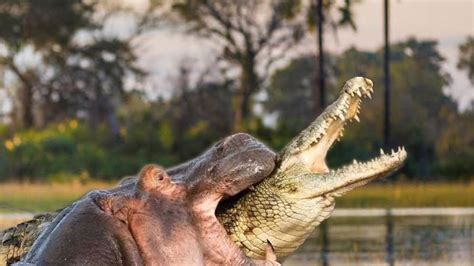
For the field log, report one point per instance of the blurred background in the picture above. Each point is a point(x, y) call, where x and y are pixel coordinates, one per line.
point(92, 90)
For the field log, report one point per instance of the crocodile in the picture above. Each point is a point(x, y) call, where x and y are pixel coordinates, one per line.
point(288, 204)
point(300, 193)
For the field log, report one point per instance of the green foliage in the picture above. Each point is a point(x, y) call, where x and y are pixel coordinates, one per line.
point(344, 16)
point(423, 117)
point(291, 93)
point(86, 68)
point(439, 140)
point(61, 152)
point(455, 147)
point(466, 57)
point(248, 40)
point(417, 100)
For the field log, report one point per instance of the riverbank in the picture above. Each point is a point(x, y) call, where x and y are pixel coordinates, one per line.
point(34, 198)
point(409, 195)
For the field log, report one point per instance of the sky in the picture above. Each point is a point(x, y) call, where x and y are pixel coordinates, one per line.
point(447, 21)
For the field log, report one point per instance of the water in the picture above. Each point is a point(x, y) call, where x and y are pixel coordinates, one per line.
point(407, 237)
point(371, 237)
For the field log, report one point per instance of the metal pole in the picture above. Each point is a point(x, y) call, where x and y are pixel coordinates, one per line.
point(321, 75)
point(386, 68)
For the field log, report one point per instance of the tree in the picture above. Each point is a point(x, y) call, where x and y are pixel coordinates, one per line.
point(455, 147)
point(37, 26)
point(80, 69)
point(253, 34)
point(419, 104)
point(290, 93)
point(89, 83)
point(466, 57)
point(196, 115)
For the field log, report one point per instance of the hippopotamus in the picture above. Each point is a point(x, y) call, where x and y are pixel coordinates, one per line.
point(156, 219)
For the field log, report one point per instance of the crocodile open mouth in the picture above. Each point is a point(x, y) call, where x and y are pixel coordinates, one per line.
point(313, 143)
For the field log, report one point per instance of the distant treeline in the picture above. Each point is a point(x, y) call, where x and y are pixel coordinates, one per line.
point(79, 108)
point(438, 138)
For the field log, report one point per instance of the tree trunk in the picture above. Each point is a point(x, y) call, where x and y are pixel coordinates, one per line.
point(113, 123)
point(25, 95)
point(248, 85)
point(242, 110)
point(105, 112)
point(26, 101)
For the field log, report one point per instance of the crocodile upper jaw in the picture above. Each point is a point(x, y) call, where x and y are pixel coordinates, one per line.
point(310, 147)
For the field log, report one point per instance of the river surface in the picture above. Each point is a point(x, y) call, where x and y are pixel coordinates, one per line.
point(400, 237)
point(379, 237)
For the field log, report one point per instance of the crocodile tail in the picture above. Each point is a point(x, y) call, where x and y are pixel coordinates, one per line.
point(17, 240)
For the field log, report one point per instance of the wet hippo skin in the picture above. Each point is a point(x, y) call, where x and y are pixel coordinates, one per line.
point(157, 219)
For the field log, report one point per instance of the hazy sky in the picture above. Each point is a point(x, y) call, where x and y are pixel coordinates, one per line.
point(448, 21)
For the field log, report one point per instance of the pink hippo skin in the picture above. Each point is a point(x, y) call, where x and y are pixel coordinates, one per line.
point(156, 219)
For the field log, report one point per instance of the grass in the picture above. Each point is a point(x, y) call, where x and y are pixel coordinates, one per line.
point(16, 197)
point(411, 195)
point(29, 197)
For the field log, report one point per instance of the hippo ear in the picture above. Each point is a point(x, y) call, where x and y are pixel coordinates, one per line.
point(151, 177)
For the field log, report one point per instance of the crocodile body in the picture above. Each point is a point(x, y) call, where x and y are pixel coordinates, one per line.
point(299, 194)
point(286, 206)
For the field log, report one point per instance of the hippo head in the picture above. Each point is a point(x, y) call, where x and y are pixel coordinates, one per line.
point(159, 216)
point(230, 166)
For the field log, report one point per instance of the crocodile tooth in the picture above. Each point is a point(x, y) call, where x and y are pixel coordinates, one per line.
point(341, 116)
point(393, 151)
point(358, 93)
point(356, 117)
point(381, 152)
point(369, 95)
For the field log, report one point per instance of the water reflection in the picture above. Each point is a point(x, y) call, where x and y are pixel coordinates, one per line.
point(406, 240)
point(414, 237)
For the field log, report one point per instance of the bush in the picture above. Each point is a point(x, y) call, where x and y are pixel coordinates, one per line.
point(62, 152)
